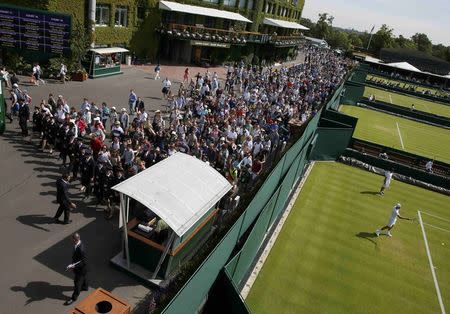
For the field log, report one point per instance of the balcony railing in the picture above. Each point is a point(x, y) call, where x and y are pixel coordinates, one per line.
point(199, 32)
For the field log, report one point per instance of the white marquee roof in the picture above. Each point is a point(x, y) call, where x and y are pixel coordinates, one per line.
point(180, 189)
point(283, 24)
point(105, 51)
point(192, 9)
point(403, 66)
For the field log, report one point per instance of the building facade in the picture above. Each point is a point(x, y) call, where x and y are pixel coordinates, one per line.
point(181, 32)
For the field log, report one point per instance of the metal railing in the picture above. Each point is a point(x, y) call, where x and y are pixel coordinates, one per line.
point(199, 32)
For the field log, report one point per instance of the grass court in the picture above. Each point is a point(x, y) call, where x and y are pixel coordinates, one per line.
point(327, 259)
point(420, 104)
point(419, 88)
point(403, 134)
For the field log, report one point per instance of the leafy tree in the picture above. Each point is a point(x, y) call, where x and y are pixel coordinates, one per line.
point(339, 39)
point(383, 38)
point(403, 42)
point(422, 42)
point(79, 43)
point(324, 25)
point(355, 39)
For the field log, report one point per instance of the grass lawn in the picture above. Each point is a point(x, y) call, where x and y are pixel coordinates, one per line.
point(392, 131)
point(328, 260)
point(406, 101)
point(419, 87)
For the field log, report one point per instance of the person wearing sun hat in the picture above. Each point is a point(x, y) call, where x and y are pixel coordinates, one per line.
point(124, 119)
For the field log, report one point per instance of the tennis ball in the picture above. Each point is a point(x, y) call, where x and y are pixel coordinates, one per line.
point(443, 243)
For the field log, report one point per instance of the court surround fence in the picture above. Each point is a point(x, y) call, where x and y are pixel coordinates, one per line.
point(251, 227)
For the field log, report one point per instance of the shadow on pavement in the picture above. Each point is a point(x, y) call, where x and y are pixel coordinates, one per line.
point(36, 221)
point(41, 290)
point(103, 241)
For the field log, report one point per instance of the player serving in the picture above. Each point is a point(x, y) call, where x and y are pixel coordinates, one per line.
point(392, 220)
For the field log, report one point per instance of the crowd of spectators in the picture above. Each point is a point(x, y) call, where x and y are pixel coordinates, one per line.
point(236, 125)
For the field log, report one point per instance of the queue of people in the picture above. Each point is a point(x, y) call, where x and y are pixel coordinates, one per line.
point(236, 128)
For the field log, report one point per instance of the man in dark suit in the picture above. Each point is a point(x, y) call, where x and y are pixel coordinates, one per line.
point(24, 116)
point(79, 268)
point(62, 197)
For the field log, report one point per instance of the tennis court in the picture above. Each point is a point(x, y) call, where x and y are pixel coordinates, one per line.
point(403, 134)
point(418, 87)
point(327, 258)
point(420, 104)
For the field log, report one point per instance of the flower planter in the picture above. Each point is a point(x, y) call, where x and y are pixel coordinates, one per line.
point(101, 301)
point(79, 77)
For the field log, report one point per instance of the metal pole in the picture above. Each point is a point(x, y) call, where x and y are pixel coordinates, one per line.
point(123, 209)
point(370, 39)
point(92, 7)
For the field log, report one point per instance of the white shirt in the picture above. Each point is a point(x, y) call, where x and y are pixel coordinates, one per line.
point(388, 176)
point(394, 215)
point(167, 83)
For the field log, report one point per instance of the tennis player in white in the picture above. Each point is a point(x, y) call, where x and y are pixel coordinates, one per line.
point(387, 181)
point(392, 220)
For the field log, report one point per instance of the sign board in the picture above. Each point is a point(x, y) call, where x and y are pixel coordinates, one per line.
point(209, 44)
point(21, 28)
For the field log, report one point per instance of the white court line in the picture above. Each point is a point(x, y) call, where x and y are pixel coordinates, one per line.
point(436, 284)
point(435, 216)
point(435, 227)
point(401, 140)
point(390, 98)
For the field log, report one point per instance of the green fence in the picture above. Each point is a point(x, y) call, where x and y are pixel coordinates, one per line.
point(263, 210)
point(266, 205)
point(353, 93)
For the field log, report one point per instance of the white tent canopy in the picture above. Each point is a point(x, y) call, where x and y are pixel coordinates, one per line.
point(192, 9)
point(283, 24)
point(403, 66)
point(105, 51)
point(180, 189)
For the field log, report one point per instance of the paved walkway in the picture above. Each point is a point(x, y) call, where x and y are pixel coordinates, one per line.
point(37, 251)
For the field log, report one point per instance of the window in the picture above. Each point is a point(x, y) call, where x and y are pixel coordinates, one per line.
point(250, 4)
point(121, 16)
point(211, 1)
point(102, 14)
point(230, 3)
point(209, 22)
point(241, 4)
point(141, 11)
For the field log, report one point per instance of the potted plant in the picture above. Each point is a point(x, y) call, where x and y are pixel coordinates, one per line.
point(79, 75)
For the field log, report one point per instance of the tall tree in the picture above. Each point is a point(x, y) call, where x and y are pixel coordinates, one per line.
point(338, 39)
point(422, 42)
point(324, 25)
point(403, 42)
point(382, 39)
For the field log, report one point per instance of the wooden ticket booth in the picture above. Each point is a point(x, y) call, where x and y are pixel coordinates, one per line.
point(166, 213)
point(103, 62)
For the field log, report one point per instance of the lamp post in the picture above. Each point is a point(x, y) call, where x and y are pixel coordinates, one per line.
point(370, 39)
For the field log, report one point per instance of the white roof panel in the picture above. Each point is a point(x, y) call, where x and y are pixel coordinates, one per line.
point(192, 9)
point(105, 51)
point(283, 24)
point(180, 189)
point(403, 66)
